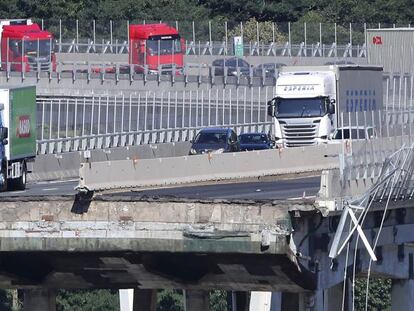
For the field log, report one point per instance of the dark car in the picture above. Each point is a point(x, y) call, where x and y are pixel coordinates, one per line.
point(235, 67)
point(267, 70)
point(255, 141)
point(215, 140)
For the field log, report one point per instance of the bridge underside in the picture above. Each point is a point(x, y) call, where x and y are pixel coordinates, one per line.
point(241, 272)
point(114, 241)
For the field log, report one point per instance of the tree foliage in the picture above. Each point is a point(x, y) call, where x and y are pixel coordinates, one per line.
point(379, 294)
point(87, 300)
point(254, 31)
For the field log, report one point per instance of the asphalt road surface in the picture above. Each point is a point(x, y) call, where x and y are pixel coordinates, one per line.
point(293, 188)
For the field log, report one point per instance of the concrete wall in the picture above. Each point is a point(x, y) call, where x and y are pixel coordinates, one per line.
point(66, 165)
point(176, 170)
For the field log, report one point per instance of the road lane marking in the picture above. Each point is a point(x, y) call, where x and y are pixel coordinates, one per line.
point(301, 198)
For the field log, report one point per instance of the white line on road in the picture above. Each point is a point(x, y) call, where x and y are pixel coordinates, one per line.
point(301, 198)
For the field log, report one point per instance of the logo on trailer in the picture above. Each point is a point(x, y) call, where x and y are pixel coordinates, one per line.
point(23, 130)
point(377, 40)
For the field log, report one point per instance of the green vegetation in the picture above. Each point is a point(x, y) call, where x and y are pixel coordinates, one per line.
point(379, 294)
point(108, 300)
point(233, 11)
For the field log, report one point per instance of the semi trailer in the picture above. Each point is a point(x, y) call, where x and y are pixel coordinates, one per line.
point(312, 101)
point(17, 135)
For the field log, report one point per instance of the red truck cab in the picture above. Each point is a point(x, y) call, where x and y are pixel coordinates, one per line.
point(26, 47)
point(158, 46)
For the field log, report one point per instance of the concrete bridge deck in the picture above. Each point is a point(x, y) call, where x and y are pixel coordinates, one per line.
point(117, 241)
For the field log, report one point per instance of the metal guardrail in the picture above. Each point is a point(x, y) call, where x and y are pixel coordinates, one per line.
point(223, 48)
point(111, 140)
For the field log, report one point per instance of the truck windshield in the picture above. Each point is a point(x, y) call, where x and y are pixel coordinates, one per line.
point(36, 48)
point(157, 45)
point(300, 108)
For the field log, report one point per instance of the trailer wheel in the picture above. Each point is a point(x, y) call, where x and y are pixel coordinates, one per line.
point(20, 183)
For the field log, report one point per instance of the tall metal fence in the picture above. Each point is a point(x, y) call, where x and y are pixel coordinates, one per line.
point(214, 38)
point(87, 122)
point(79, 123)
point(385, 131)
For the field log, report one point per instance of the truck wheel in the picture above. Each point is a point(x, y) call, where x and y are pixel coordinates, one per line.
point(3, 186)
point(21, 181)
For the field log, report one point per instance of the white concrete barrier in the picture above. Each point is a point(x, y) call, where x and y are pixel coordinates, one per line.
point(185, 169)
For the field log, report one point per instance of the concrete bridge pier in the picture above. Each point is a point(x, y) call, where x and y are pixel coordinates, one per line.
point(39, 300)
point(196, 300)
point(402, 294)
point(240, 301)
point(145, 300)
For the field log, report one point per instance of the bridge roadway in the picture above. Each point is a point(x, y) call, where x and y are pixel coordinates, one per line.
point(289, 188)
point(268, 240)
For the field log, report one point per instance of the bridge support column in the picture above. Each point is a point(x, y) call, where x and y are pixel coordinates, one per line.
point(333, 298)
point(145, 300)
point(196, 300)
point(402, 294)
point(39, 300)
point(266, 301)
point(240, 301)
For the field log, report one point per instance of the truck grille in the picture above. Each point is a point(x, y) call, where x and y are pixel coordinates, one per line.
point(43, 66)
point(297, 135)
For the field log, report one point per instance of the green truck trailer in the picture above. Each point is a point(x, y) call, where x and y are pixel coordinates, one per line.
point(17, 135)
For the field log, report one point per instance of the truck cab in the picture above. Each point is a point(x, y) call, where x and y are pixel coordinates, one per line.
point(26, 47)
point(310, 101)
point(304, 108)
point(157, 46)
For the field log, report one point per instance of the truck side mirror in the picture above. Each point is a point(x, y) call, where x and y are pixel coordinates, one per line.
point(331, 108)
point(4, 133)
point(271, 110)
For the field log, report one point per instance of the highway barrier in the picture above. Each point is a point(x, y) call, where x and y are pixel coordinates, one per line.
point(137, 172)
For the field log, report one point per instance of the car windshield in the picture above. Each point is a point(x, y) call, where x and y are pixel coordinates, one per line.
point(163, 46)
point(211, 138)
point(235, 62)
point(347, 133)
point(31, 47)
point(300, 108)
point(253, 139)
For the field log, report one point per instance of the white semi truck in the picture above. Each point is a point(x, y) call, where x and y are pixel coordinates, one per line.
point(17, 135)
point(311, 102)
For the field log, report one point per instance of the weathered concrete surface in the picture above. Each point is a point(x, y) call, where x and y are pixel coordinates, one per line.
point(125, 242)
point(39, 300)
point(187, 169)
point(66, 165)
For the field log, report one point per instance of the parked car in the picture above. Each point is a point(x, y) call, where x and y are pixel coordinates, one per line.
point(269, 69)
point(235, 67)
point(353, 132)
point(215, 140)
point(255, 141)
